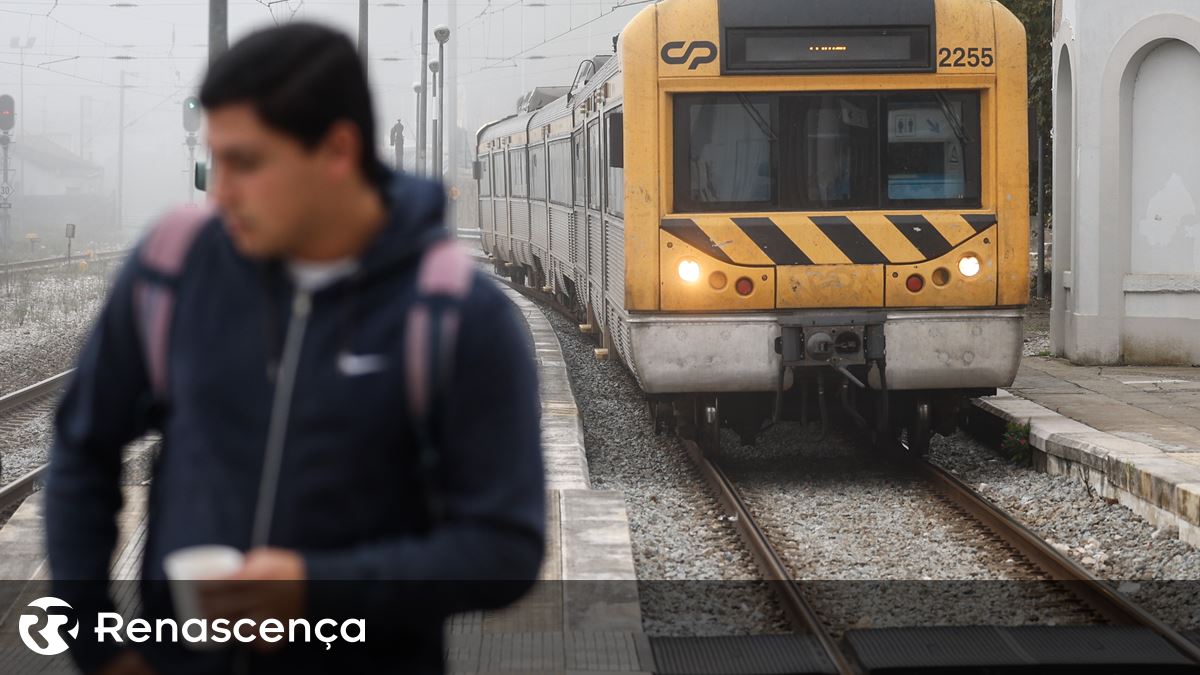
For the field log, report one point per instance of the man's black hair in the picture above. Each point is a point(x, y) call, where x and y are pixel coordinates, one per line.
point(301, 78)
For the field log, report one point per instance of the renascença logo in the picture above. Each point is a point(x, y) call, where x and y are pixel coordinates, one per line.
point(42, 631)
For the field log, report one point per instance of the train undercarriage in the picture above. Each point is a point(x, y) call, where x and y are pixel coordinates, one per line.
point(897, 376)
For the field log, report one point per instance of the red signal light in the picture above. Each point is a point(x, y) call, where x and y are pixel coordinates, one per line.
point(915, 283)
point(744, 286)
point(7, 116)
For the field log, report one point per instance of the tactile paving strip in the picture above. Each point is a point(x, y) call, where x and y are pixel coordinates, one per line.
point(1113, 649)
point(578, 651)
point(738, 655)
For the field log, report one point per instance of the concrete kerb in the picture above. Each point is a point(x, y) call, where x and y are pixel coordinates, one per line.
point(593, 526)
point(1157, 486)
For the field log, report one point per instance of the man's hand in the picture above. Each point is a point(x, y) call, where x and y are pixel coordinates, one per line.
point(127, 662)
point(270, 585)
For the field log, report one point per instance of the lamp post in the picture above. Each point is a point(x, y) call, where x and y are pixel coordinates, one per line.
point(422, 110)
point(435, 67)
point(418, 165)
point(442, 34)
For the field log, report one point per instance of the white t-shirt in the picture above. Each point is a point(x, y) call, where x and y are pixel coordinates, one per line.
point(313, 276)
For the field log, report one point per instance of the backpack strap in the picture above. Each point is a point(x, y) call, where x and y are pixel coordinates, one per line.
point(161, 258)
point(431, 335)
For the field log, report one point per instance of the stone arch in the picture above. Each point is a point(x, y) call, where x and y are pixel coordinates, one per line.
point(1065, 176)
point(1115, 229)
point(1164, 165)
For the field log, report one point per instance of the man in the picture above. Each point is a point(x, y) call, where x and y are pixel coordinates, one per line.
point(287, 357)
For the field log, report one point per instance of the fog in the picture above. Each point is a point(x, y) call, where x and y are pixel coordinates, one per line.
point(64, 62)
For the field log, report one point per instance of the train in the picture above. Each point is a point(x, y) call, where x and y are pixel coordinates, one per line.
point(768, 209)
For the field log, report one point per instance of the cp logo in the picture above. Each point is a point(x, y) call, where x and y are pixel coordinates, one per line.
point(704, 51)
point(42, 631)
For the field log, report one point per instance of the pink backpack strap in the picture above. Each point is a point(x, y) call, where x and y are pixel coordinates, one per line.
point(162, 256)
point(431, 335)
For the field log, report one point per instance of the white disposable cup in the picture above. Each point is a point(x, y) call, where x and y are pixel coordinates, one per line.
point(189, 565)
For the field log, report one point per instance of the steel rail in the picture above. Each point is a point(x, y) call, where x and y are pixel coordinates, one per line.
point(34, 392)
point(803, 617)
point(45, 263)
point(15, 492)
point(1096, 593)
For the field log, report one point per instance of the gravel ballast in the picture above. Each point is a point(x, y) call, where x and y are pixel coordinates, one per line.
point(817, 496)
point(697, 578)
point(44, 319)
point(1151, 565)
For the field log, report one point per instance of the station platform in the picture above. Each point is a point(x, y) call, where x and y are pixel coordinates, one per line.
point(1132, 433)
point(583, 616)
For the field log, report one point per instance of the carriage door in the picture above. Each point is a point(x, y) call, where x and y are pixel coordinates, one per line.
point(595, 221)
point(579, 237)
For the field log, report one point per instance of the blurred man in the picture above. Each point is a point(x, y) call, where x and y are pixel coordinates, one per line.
point(301, 422)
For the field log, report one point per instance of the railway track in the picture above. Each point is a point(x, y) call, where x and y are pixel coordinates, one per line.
point(51, 263)
point(15, 409)
point(1098, 596)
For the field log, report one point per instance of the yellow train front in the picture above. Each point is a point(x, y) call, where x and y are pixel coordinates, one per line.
point(763, 206)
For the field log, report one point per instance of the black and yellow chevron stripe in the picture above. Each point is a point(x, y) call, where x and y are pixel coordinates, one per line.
point(855, 239)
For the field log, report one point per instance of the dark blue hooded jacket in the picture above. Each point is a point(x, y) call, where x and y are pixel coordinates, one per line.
point(350, 497)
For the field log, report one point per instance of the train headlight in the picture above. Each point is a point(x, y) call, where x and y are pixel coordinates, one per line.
point(689, 271)
point(969, 266)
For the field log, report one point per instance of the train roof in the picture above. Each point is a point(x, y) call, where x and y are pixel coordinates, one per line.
point(545, 112)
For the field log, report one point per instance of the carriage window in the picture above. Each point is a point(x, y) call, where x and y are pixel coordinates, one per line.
point(516, 168)
point(726, 153)
point(933, 149)
point(593, 172)
point(615, 185)
point(500, 179)
point(826, 151)
point(829, 157)
point(580, 170)
point(560, 172)
point(485, 176)
point(537, 172)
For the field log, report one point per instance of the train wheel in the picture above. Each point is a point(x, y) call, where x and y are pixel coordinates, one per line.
point(708, 425)
point(920, 429)
point(663, 415)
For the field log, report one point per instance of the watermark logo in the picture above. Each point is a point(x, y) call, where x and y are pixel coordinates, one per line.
point(42, 631)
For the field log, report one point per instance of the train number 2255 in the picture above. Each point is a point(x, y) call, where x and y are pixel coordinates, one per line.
point(966, 58)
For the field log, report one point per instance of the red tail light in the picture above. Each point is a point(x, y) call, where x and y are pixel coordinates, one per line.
point(915, 283)
point(745, 286)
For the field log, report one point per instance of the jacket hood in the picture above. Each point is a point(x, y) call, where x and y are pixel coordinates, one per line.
point(416, 218)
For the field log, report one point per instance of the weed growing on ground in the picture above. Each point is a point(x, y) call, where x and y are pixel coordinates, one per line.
point(1016, 446)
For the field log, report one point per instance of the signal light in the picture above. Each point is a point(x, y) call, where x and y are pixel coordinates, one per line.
point(744, 286)
point(191, 114)
point(915, 283)
point(8, 114)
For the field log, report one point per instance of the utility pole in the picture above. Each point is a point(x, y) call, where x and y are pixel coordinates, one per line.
point(417, 89)
point(423, 101)
point(442, 34)
point(121, 154)
point(450, 73)
point(218, 29)
point(435, 67)
point(362, 31)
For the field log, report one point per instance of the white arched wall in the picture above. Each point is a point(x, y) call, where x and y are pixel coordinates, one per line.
point(1165, 161)
point(1062, 324)
point(1163, 324)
